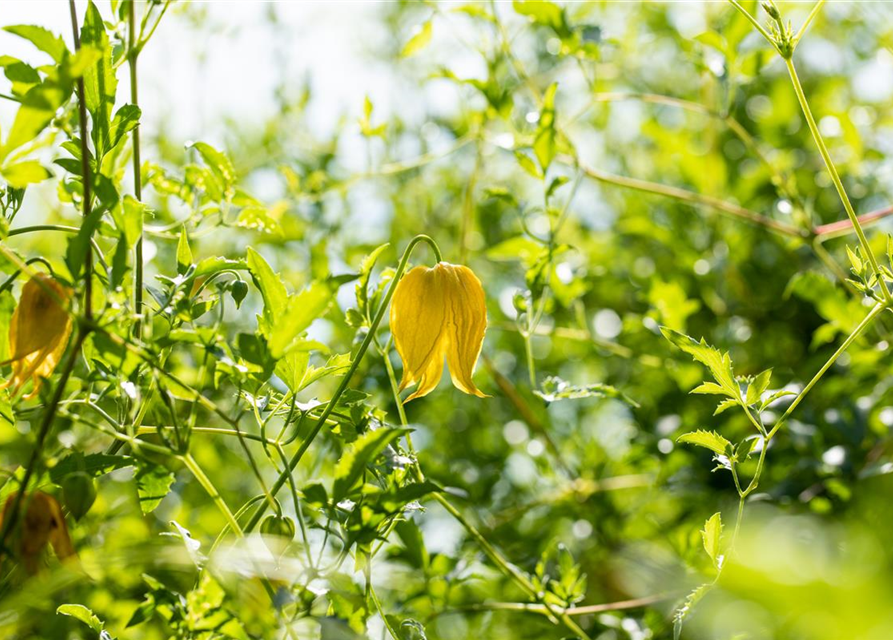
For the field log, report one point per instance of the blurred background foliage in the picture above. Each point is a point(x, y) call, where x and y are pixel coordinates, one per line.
point(535, 142)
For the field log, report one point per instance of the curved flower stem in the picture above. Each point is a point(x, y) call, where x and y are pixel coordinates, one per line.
point(345, 381)
point(835, 177)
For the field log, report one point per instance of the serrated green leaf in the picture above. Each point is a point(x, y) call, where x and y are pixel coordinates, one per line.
point(126, 119)
point(759, 385)
point(709, 388)
point(82, 613)
point(153, 483)
point(719, 363)
point(711, 536)
point(855, 259)
point(352, 463)
point(683, 612)
point(707, 439)
point(94, 464)
point(725, 405)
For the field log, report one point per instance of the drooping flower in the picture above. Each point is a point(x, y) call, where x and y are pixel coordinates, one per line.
point(438, 314)
point(38, 332)
point(42, 522)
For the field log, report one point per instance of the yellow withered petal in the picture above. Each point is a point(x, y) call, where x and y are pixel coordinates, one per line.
point(38, 332)
point(436, 314)
point(42, 522)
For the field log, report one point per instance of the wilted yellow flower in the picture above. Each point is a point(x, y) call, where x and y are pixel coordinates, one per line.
point(42, 522)
point(439, 313)
point(38, 332)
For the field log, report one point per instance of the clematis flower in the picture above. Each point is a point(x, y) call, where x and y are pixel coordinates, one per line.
point(38, 332)
point(42, 522)
point(438, 314)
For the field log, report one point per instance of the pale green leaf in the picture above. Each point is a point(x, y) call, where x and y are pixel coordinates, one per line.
point(711, 536)
point(184, 253)
point(759, 385)
point(43, 39)
point(271, 288)
point(707, 439)
point(21, 174)
point(82, 613)
point(418, 41)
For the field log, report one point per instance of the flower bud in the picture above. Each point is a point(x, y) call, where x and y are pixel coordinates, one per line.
point(238, 290)
point(78, 493)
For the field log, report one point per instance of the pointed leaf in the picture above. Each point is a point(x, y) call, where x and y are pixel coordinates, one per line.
point(707, 439)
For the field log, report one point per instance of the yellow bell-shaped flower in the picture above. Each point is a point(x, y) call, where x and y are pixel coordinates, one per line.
point(38, 332)
point(438, 314)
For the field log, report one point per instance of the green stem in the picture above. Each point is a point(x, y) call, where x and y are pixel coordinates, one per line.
point(695, 199)
point(196, 470)
point(133, 54)
point(756, 25)
point(809, 19)
point(835, 177)
point(345, 381)
point(85, 170)
point(862, 326)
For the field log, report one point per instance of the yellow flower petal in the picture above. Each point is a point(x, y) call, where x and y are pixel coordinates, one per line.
point(38, 332)
point(467, 324)
point(438, 314)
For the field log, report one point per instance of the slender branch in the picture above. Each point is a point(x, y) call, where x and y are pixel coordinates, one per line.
point(809, 19)
point(756, 25)
point(844, 227)
point(133, 54)
point(835, 177)
point(696, 199)
point(533, 607)
point(85, 169)
point(196, 470)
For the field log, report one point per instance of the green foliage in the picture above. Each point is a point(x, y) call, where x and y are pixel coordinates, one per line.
point(224, 427)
